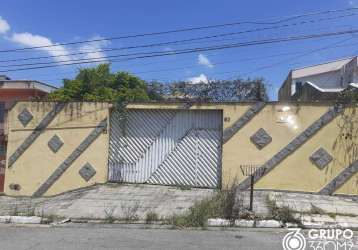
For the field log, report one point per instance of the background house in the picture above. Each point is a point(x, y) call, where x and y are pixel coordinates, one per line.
point(322, 82)
point(10, 92)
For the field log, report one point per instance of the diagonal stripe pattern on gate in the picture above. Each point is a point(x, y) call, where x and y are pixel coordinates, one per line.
point(209, 160)
point(193, 162)
point(132, 135)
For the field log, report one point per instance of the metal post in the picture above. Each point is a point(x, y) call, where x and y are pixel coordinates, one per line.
point(252, 193)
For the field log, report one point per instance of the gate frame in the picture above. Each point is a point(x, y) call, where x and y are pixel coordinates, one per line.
point(187, 108)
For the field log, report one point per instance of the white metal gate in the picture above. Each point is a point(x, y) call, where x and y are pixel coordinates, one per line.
point(169, 147)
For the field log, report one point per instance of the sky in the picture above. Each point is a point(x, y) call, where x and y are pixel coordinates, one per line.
point(26, 23)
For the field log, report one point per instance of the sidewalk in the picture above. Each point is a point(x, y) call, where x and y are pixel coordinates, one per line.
point(123, 203)
point(102, 201)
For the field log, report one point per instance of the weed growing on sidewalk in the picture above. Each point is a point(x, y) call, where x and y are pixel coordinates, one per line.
point(221, 205)
point(108, 212)
point(130, 211)
point(284, 214)
point(151, 217)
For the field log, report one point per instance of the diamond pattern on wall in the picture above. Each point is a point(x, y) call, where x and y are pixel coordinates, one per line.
point(87, 172)
point(25, 117)
point(321, 158)
point(55, 143)
point(261, 138)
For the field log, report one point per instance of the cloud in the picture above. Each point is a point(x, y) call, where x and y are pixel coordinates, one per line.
point(203, 60)
point(353, 3)
point(95, 48)
point(4, 26)
point(29, 40)
point(198, 79)
point(60, 53)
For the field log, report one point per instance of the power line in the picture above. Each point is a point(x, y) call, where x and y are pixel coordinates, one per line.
point(295, 58)
point(189, 50)
point(241, 60)
point(303, 53)
point(191, 66)
point(334, 45)
point(173, 42)
point(185, 30)
point(222, 72)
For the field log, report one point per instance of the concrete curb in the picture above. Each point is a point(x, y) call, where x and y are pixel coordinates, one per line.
point(245, 223)
point(269, 224)
point(218, 222)
point(306, 223)
point(21, 219)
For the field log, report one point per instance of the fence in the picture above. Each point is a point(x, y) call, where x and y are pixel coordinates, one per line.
point(54, 148)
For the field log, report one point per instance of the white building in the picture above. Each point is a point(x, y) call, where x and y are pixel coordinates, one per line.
point(320, 82)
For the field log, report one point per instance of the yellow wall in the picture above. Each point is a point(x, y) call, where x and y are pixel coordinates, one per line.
point(296, 172)
point(73, 124)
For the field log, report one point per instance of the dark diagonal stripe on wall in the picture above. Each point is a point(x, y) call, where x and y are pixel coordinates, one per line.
point(293, 145)
point(342, 178)
point(71, 158)
point(35, 133)
point(242, 121)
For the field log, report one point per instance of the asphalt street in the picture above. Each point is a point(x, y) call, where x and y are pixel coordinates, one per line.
point(97, 236)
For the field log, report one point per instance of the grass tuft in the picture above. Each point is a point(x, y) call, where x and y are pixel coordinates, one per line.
point(151, 217)
point(221, 205)
point(284, 214)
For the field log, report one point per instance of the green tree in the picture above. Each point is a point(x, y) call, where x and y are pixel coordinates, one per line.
point(99, 84)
